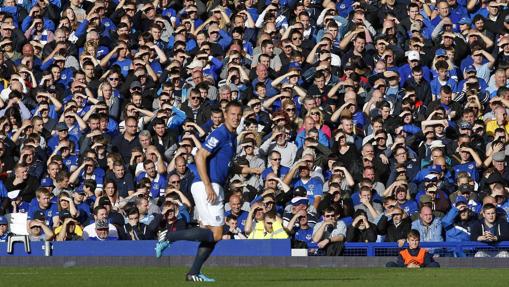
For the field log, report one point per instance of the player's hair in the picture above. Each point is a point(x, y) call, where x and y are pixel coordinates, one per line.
point(233, 104)
point(413, 234)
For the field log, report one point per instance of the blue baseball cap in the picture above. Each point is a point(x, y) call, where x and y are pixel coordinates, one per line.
point(460, 199)
point(470, 69)
point(46, 182)
point(299, 200)
point(440, 53)
point(464, 20)
point(294, 65)
point(80, 189)
point(435, 169)
point(3, 220)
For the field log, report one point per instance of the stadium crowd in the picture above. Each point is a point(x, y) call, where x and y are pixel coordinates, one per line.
point(362, 119)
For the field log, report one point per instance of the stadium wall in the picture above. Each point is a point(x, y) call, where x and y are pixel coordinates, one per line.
point(267, 253)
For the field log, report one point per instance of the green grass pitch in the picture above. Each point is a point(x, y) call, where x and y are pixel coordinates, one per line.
point(250, 276)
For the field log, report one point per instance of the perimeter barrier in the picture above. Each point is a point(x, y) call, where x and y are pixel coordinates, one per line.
point(242, 248)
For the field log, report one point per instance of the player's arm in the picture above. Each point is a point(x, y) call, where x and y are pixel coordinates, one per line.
point(201, 165)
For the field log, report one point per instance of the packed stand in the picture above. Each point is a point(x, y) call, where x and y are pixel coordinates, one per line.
point(362, 120)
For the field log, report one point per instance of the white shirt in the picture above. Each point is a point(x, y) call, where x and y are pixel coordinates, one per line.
point(89, 231)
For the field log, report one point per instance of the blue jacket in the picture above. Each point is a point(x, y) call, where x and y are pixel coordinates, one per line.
point(301, 137)
point(454, 231)
point(432, 233)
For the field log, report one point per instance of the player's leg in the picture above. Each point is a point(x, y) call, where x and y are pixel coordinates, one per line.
point(192, 234)
point(215, 220)
point(204, 252)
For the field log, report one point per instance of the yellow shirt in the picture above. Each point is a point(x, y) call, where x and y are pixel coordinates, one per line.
point(259, 232)
point(78, 230)
point(492, 125)
point(278, 232)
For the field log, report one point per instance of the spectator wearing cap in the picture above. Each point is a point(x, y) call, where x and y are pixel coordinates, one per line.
point(434, 189)
point(499, 164)
point(458, 221)
point(101, 213)
point(4, 225)
point(11, 202)
point(297, 203)
point(79, 197)
point(428, 225)
point(466, 189)
point(61, 135)
point(470, 83)
point(381, 46)
point(306, 177)
point(405, 71)
point(102, 231)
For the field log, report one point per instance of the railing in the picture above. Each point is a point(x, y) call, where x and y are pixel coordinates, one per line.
point(238, 248)
point(444, 249)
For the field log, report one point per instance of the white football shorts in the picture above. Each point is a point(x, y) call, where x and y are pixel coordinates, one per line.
point(208, 214)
